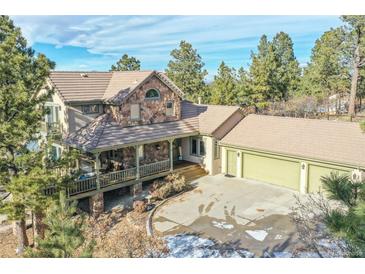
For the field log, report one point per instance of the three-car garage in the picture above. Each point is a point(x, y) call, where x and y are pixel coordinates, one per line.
point(292, 152)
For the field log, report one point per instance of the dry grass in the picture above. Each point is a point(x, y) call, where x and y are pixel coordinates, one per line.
point(8, 243)
point(123, 235)
point(170, 185)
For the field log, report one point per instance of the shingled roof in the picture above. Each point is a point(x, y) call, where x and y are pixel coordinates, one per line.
point(333, 141)
point(104, 132)
point(209, 117)
point(111, 87)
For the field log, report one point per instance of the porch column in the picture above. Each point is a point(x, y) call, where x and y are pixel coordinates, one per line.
point(137, 162)
point(97, 170)
point(171, 155)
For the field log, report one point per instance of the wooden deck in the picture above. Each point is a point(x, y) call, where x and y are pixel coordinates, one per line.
point(113, 180)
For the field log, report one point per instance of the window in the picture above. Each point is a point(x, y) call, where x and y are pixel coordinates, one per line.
point(197, 146)
point(90, 109)
point(170, 108)
point(52, 117)
point(55, 152)
point(217, 152)
point(135, 112)
point(194, 146)
point(152, 94)
point(201, 147)
point(141, 152)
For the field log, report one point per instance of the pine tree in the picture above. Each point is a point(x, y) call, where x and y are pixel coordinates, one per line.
point(64, 237)
point(224, 86)
point(287, 75)
point(22, 76)
point(355, 30)
point(262, 74)
point(186, 71)
point(327, 72)
point(127, 63)
point(244, 91)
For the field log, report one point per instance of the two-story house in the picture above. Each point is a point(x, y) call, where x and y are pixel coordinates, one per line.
point(132, 127)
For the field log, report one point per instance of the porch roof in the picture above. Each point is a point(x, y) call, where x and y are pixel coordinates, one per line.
point(104, 133)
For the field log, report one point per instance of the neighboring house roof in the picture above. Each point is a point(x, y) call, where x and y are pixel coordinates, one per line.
point(333, 141)
point(210, 117)
point(104, 132)
point(111, 87)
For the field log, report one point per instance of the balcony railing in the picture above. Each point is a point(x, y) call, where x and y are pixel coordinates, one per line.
point(154, 168)
point(81, 186)
point(117, 177)
point(111, 178)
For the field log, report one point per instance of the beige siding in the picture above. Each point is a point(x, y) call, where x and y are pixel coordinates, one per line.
point(77, 120)
point(206, 161)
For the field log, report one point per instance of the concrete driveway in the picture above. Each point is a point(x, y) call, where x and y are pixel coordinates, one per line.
point(237, 212)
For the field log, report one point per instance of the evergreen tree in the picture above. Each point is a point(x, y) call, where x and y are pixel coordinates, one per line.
point(244, 91)
point(64, 237)
point(287, 75)
point(127, 63)
point(22, 76)
point(224, 86)
point(186, 71)
point(355, 30)
point(327, 72)
point(262, 74)
point(348, 224)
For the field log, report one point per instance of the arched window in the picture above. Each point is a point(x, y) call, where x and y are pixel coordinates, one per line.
point(152, 94)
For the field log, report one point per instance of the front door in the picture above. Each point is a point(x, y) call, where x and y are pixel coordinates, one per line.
point(231, 162)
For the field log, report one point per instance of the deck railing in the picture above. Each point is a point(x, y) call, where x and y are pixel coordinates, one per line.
point(118, 177)
point(153, 168)
point(111, 178)
point(82, 185)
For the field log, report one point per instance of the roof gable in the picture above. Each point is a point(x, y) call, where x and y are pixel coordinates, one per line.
point(111, 87)
point(123, 94)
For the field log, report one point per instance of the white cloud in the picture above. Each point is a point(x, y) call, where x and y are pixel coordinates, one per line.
point(151, 38)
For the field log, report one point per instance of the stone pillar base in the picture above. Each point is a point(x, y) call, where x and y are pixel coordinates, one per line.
point(96, 204)
point(136, 189)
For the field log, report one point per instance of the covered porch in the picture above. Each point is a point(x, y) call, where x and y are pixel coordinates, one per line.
point(126, 166)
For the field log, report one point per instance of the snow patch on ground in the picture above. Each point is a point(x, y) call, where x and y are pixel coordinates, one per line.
point(278, 237)
point(191, 246)
point(222, 225)
point(258, 235)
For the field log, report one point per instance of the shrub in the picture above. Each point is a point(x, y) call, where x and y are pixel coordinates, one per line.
point(170, 185)
point(139, 206)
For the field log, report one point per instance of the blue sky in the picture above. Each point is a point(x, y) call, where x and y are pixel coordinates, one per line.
point(96, 42)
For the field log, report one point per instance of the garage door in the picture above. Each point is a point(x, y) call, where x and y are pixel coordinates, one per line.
point(314, 176)
point(272, 170)
point(231, 162)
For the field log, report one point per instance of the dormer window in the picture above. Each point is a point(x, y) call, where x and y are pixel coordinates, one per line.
point(135, 112)
point(170, 108)
point(152, 94)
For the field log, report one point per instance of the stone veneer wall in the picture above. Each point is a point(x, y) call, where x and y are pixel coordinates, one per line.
point(126, 155)
point(152, 110)
point(152, 154)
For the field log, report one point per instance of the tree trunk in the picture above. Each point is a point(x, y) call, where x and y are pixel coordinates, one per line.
point(38, 226)
point(354, 80)
point(21, 231)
